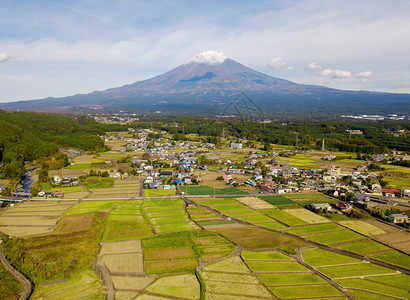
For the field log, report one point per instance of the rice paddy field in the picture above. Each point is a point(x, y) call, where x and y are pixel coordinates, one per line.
point(32, 217)
point(362, 279)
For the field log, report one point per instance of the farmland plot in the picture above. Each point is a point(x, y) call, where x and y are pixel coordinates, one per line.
point(399, 240)
point(334, 237)
point(363, 246)
point(285, 277)
point(86, 285)
point(363, 227)
point(122, 257)
point(238, 281)
point(31, 218)
point(182, 286)
point(307, 216)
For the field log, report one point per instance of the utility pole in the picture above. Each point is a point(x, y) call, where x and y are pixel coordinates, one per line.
point(323, 144)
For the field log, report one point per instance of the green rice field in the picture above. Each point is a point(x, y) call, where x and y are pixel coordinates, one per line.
point(312, 291)
point(363, 246)
point(334, 237)
point(85, 207)
point(313, 229)
point(320, 257)
point(360, 269)
point(276, 200)
point(283, 217)
point(394, 257)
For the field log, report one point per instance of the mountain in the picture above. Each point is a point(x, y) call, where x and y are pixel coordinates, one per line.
point(210, 81)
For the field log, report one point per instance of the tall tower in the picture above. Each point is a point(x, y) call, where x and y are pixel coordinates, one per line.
point(323, 145)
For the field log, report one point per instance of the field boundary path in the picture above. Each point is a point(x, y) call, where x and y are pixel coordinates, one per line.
point(19, 276)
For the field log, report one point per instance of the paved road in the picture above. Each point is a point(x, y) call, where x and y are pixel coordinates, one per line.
point(20, 277)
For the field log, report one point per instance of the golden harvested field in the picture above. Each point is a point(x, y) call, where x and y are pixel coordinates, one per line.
point(132, 283)
point(68, 172)
point(362, 227)
point(121, 247)
point(306, 215)
point(124, 263)
point(29, 221)
point(83, 159)
point(23, 231)
point(399, 240)
point(382, 226)
point(255, 203)
point(126, 295)
point(129, 187)
point(32, 217)
point(75, 195)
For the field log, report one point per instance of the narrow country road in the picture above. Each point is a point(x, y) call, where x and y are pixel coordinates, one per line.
point(20, 277)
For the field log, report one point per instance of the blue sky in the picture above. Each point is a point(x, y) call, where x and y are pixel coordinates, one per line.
point(59, 48)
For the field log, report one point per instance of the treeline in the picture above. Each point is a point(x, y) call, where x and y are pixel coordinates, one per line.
point(30, 136)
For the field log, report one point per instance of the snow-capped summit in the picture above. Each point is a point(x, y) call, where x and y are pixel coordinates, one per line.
point(210, 57)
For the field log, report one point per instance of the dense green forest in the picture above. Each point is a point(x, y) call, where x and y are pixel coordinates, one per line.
point(30, 136)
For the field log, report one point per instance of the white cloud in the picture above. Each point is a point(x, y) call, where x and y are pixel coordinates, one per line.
point(290, 68)
point(336, 74)
point(4, 57)
point(275, 63)
point(364, 75)
point(210, 57)
point(314, 66)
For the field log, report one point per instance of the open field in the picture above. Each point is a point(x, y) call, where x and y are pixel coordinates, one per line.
point(183, 286)
point(362, 227)
point(231, 277)
point(85, 285)
point(275, 266)
point(306, 216)
point(360, 269)
point(394, 257)
point(124, 257)
point(254, 203)
point(75, 223)
point(179, 251)
point(383, 226)
point(31, 218)
point(126, 222)
point(206, 190)
point(95, 182)
point(363, 246)
point(399, 240)
point(124, 262)
point(276, 200)
point(313, 229)
point(319, 257)
point(307, 196)
point(92, 206)
point(266, 255)
point(312, 291)
point(334, 237)
point(167, 215)
point(369, 283)
point(155, 193)
point(292, 278)
point(283, 217)
point(258, 238)
point(132, 282)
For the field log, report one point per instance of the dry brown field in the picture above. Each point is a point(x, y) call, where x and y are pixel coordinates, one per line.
point(255, 203)
point(132, 283)
point(399, 240)
point(383, 226)
point(24, 231)
point(121, 247)
point(32, 217)
point(124, 263)
point(76, 223)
